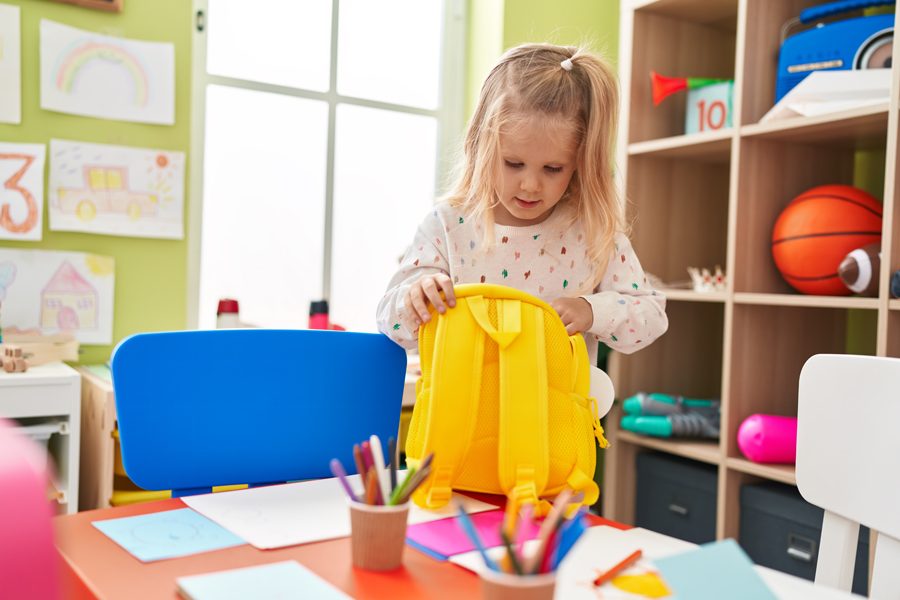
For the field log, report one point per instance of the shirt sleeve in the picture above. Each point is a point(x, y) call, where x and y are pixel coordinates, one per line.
point(628, 313)
point(427, 255)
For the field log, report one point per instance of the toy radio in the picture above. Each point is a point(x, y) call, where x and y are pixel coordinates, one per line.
point(856, 43)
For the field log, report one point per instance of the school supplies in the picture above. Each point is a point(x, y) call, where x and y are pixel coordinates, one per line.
point(618, 568)
point(167, 534)
point(276, 516)
point(714, 571)
point(380, 480)
point(287, 579)
point(540, 392)
point(444, 538)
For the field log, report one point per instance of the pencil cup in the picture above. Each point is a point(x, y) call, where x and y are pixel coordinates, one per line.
point(506, 586)
point(377, 535)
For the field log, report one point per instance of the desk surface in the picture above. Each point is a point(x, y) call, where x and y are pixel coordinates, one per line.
point(93, 560)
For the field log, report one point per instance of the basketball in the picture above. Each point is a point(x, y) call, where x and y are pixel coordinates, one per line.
point(817, 230)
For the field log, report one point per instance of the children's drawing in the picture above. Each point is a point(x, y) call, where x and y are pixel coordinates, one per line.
point(21, 191)
point(116, 190)
point(94, 75)
point(58, 292)
point(10, 65)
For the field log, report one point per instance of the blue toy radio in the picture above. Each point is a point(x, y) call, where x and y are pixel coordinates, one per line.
point(856, 43)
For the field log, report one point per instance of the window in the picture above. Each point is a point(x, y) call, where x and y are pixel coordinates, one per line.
point(319, 128)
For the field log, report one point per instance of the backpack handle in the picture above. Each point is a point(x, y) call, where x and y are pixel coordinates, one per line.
point(509, 319)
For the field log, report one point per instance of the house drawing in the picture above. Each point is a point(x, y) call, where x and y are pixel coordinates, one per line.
point(106, 191)
point(68, 301)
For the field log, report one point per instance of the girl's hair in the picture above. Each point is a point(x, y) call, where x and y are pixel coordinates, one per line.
point(531, 79)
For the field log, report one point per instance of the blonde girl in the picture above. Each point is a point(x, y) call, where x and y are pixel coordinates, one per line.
point(535, 207)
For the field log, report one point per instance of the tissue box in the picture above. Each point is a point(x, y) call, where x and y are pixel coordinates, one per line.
point(709, 108)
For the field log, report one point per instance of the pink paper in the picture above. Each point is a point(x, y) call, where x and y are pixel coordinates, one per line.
point(446, 537)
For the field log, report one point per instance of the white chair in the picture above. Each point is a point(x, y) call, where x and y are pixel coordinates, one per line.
point(848, 463)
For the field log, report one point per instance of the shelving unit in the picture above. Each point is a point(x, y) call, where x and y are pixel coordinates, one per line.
point(712, 199)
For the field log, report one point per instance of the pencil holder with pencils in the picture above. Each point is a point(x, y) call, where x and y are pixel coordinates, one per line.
point(508, 586)
point(379, 514)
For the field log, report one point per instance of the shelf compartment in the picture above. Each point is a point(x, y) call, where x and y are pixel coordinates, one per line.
point(683, 218)
point(774, 172)
point(782, 473)
point(708, 146)
point(894, 304)
point(687, 360)
point(704, 451)
point(705, 40)
point(806, 300)
point(770, 345)
point(893, 330)
point(861, 128)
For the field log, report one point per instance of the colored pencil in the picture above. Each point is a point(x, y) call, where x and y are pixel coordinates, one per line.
point(511, 552)
point(547, 527)
point(398, 491)
point(338, 469)
point(417, 480)
point(618, 568)
point(392, 464)
point(369, 461)
point(569, 533)
point(360, 463)
point(371, 487)
point(469, 529)
point(378, 458)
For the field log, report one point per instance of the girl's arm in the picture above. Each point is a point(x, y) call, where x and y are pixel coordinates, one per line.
point(628, 313)
point(426, 256)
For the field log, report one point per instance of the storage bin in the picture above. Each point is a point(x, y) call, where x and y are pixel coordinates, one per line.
point(676, 496)
point(781, 530)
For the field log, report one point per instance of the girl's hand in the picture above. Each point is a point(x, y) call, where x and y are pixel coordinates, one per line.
point(576, 314)
point(425, 291)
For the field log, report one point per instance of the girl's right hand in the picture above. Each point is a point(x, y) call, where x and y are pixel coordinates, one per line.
point(427, 290)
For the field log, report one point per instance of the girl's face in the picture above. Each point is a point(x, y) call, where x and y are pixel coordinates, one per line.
point(537, 154)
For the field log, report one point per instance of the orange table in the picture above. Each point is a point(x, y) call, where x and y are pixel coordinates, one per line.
point(95, 566)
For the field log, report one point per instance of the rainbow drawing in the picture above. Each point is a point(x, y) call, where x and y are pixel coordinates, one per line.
point(74, 61)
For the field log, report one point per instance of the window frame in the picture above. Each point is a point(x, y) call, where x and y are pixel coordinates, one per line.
point(449, 115)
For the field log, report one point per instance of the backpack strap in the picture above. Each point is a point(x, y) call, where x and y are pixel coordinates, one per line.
point(578, 480)
point(450, 425)
point(524, 457)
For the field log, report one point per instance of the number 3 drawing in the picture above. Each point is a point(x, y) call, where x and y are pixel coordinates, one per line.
point(6, 219)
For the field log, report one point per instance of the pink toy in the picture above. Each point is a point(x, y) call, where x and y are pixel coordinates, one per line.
point(28, 560)
point(769, 439)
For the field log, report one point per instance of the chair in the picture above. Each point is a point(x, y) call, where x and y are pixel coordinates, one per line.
point(198, 409)
point(848, 463)
point(28, 560)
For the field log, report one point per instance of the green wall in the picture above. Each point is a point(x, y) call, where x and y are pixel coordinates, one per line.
point(150, 291)
point(495, 25)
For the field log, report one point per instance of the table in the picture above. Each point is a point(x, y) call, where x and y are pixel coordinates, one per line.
point(94, 566)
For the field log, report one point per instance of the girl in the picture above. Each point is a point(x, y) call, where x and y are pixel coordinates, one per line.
point(535, 207)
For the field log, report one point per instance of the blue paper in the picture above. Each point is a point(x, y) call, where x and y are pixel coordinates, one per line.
point(167, 534)
point(712, 572)
point(281, 580)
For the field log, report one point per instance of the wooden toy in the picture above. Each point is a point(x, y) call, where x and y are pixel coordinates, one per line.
point(14, 359)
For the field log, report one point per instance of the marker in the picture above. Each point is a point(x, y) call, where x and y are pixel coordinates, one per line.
point(378, 458)
point(371, 487)
point(416, 480)
point(338, 469)
point(392, 464)
point(621, 566)
point(547, 527)
point(469, 529)
point(360, 463)
point(398, 491)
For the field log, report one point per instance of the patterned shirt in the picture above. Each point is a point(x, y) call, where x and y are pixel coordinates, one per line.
point(548, 260)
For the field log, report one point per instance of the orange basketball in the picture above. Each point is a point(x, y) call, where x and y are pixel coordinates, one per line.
point(817, 230)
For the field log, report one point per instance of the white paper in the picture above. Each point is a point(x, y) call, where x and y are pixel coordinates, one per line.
point(824, 92)
point(298, 513)
point(115, 190)
point(85, 73)
point(57, 292)
point(10, 65)
point(21, 190)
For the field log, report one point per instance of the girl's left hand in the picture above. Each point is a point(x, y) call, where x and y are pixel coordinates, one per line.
point(576, 314)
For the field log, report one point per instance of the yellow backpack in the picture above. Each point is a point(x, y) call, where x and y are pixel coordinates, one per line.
point(503, 401)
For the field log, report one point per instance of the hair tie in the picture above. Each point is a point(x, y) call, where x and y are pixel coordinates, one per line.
point(566, 64)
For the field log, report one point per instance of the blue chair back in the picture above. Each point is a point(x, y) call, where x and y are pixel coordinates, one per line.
point(198, 409)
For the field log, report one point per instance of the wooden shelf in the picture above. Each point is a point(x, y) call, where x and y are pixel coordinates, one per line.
point(808, 301)
point(894, 304)
point(696, 11)
point(782, 473)
point(704, 451)
point(859, 128)
point(682, 295)
point(711, 146)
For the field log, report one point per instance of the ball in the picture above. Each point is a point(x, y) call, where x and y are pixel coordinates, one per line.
point(817, 229)
point(859, 270)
